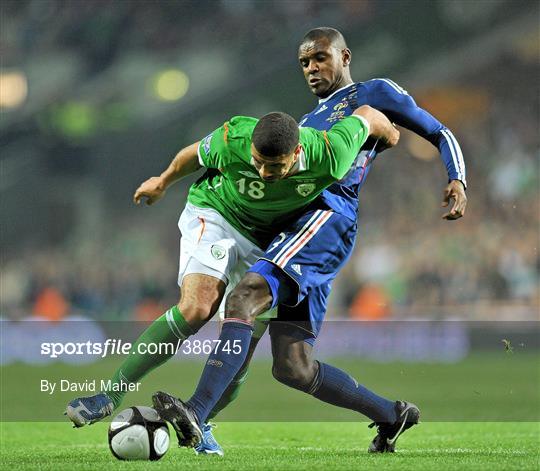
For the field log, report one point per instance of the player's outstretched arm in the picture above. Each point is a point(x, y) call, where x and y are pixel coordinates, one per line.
point(184, 163)
point(380, 126)
point(455, 191)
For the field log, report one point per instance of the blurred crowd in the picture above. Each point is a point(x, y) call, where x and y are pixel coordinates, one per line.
point(491, 256)
point(407, 261)
point(100, 30)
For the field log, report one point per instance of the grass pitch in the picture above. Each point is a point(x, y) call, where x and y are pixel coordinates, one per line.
point(493, 387)
point(481, 413)
point(285, 446)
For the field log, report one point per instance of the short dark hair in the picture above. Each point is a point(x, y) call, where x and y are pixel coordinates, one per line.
point(275, 134)
point(333, 35)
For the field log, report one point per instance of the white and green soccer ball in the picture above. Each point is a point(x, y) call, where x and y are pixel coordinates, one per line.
point(138, 433)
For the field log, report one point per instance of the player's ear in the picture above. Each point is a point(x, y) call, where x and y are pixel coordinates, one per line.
point(296, 153)
point(346, 56)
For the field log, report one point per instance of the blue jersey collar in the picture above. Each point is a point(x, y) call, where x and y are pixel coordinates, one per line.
point(322, 100)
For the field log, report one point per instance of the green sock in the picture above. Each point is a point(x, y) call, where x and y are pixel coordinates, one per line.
point(170, 328)
point(230, 394)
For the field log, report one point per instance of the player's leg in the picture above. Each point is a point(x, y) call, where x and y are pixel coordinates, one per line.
point(200, 298)
point(251, 297)
point(312, 262)
point(203, 275)
point(208, 444)
point(268, 282)
point(318, 266)
point(260, 289)
point(309, 261)
point(233, 389)
point(313, 268)
point(294, 365)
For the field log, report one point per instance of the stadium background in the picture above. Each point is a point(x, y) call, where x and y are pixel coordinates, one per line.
point(98, 95)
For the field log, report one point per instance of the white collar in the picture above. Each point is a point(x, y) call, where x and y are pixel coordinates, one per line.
point(300, 164)
point(322, 100)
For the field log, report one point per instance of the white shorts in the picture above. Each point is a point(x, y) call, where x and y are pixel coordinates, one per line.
point(209, 245)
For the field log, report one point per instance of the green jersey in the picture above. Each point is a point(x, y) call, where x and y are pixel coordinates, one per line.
point(258, 209)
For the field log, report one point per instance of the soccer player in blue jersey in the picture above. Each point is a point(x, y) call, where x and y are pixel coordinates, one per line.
point(296, 272)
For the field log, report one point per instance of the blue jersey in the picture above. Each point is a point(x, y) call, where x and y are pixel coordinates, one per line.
point(301, 263)
point(389, 98)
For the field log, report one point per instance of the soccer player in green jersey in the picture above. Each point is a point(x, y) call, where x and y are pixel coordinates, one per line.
point(261, 174)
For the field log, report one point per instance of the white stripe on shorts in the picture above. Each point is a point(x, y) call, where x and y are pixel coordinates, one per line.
point(298, 235)
point(307, 235)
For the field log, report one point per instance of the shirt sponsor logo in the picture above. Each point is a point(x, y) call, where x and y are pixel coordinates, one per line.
point(218, 252)
point(305, 189)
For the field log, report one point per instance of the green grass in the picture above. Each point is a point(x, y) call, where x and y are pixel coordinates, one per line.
point(282, 446)
point(496, 386)
point(456, 400)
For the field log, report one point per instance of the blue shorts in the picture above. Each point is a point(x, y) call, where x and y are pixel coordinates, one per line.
point(301, 263)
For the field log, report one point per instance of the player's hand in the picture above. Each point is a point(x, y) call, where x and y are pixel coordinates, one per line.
point(454, 191)
point(152, 189)
point(390, 139)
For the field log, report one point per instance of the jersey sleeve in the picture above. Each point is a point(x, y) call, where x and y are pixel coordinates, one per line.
point(388, 97)
point(343, 144)
point(213, 148)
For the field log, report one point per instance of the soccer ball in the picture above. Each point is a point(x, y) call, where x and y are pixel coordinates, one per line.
point(138, 433)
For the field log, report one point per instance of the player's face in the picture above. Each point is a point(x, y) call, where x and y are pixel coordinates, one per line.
point(274, 168)
point(323, 66)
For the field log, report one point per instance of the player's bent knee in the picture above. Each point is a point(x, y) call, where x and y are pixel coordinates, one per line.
point(196, 314)
point(249, 298)
point(294, 376)
point(200, 298)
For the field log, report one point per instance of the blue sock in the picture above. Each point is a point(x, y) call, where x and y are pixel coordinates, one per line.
point(221, 367)
point(336, 387)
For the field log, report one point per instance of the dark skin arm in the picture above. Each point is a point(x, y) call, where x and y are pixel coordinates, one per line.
point(388, 135)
